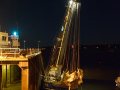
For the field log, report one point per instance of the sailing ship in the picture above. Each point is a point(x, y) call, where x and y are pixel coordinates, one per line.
point(64, 69)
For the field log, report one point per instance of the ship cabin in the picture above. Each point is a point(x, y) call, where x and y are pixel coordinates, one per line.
point(7, 41)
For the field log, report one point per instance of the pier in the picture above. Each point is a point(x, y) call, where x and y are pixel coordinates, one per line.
point(27, 63)
point(19, 64)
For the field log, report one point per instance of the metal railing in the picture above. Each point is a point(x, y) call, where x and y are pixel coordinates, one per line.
point(16, 52)
point(9, 52)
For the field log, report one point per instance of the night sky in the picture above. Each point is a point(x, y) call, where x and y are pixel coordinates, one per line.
point(40, 20)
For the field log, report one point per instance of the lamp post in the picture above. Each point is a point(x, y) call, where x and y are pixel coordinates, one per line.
point(24, 44)
point(38, 45)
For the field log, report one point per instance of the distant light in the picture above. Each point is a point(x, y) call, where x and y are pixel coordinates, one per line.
point(62, 28)
point(97, 46)
point(15, 33)
point(9, 42)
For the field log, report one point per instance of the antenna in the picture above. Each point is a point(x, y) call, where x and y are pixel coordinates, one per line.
point(17, 26)
point(5, 28)
point(0, 28)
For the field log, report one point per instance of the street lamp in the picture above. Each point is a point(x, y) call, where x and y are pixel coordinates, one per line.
point(38, 45)
point(24, 44)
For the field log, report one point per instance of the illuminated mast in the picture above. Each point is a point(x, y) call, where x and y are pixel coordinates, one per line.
point(72, 6)
point(64, 69)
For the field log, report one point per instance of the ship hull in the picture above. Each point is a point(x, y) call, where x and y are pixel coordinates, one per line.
point(60, 86)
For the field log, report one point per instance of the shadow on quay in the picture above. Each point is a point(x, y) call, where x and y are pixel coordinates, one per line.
point(15, 86)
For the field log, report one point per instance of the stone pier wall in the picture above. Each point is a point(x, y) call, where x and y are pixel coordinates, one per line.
point(35, 72)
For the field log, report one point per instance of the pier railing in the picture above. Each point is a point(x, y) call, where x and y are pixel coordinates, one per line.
point(9, 52)
point(16, 52)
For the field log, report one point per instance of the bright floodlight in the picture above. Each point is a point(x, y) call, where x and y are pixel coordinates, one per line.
point(15, 33)
point(71, 1)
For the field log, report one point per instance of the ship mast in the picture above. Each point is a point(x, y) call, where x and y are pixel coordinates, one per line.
point(72, 7)
point(64, 67)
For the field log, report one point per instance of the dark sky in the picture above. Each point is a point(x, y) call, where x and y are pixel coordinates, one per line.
point(40, 20)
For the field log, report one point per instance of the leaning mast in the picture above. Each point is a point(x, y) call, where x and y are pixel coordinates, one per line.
point(73, 5)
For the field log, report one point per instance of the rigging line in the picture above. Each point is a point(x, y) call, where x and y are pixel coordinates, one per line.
point(73, 65)
point(72, 46)
point(56, 48)
point(63, 22)
point(74, 42)
point(52, 56)
point(54, 53)
point(57, 44)
point(78, 13)
point(63, 34)
point(60, 47)
point(66, 38)
point(76, 38)
point(68, 32)
point(65, 46)
point(67, 58)
point(69, 44)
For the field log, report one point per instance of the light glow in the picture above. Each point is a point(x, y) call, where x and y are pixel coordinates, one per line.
point(15, 33)
point(70, 3)
point(62, 28)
